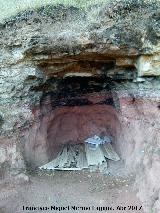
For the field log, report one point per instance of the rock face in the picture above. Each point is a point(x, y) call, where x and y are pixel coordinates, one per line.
point(70, 117)
point(67, 72)
point(148, 65)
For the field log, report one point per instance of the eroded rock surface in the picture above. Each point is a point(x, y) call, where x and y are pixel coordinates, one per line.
point(117, 42)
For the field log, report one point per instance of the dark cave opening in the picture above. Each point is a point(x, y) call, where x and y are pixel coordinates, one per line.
point(72, 110)
point(71, 91)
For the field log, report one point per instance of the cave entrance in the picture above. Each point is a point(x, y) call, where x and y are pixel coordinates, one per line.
point(77, 128)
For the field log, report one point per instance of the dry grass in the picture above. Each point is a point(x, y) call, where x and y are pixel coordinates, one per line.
point(12, 7)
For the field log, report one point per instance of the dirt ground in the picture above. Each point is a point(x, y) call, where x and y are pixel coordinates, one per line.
point(70, 188)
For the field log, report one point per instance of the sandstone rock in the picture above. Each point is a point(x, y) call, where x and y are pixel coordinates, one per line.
point(148, 65)
point(125, 62)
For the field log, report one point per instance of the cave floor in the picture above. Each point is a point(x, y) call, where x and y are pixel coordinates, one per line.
point(70, 188)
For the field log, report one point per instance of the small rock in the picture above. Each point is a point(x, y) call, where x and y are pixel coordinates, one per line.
point(21, 178)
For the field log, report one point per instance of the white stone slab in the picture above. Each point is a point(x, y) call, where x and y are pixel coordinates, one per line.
point(94, 157)
point(109, 152)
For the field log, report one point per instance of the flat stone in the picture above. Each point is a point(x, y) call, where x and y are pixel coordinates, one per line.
point(62, 158)
point(94, 157)
point(109, 152)
point(72, 157)
point(81, 158)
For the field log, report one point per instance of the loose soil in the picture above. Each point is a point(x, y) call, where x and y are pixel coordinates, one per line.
point(75, 188)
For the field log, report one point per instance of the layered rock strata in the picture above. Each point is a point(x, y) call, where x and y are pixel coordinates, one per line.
point(43, 51)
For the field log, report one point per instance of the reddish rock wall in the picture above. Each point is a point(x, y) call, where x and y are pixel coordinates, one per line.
point(69, 124)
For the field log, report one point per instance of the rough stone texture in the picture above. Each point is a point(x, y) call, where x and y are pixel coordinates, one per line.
point(148, 65)
point(11, 159)
point(140, 134)
point(66, 125)
point(117, 41)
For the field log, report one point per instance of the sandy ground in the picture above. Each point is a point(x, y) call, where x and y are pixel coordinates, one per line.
point(75, 188)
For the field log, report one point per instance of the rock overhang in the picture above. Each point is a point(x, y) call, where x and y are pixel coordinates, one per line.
point(115, 37)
